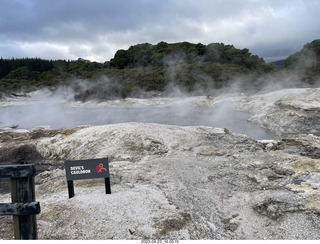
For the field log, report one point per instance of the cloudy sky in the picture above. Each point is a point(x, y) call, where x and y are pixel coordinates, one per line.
point(96, 29)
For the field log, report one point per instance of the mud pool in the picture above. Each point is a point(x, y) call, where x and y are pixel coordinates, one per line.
point(56, 115)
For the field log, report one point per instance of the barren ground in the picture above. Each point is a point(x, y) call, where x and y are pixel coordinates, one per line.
point(180, 182)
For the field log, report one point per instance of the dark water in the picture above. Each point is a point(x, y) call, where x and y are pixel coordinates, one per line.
point(56, 116)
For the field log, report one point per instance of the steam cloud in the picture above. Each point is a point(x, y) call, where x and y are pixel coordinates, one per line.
point(45, 108)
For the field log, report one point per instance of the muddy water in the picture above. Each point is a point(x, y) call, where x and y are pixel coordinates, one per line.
point(58, 116)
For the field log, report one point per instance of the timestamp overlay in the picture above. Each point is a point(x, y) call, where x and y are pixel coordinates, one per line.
point(156, 241)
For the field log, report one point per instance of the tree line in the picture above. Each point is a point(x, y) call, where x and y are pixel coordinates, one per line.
point(159, 55)
point(28, 74)
point(146, 67)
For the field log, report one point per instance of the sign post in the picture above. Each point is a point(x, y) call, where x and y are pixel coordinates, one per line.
point(87, 169)
point(23, 206)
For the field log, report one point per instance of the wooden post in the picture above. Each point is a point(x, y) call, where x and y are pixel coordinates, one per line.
point(70, 188)
point(19, 208)
point(108, 186)
point(23, 199)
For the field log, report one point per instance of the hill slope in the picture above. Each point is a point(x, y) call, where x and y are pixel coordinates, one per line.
point(141, 68)
point(306, 62)
point(191, 68)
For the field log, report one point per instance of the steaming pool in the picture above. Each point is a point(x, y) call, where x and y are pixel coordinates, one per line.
point(56, 115)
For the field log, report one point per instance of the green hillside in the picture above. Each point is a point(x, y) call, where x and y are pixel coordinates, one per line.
point(306, 62)
point(146, 67)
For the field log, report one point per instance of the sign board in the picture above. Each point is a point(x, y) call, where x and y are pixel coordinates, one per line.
point(87, 169)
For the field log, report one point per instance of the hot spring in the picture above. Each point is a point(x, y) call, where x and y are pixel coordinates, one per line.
point(55, 114)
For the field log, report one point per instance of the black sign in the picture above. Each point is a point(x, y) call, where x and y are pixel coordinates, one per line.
point(87, 169)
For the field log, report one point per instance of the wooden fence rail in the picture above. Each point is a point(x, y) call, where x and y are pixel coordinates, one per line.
point(23, 206)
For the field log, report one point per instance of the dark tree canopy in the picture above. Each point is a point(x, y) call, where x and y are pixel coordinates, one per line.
point(146, 67)
point(155, 55)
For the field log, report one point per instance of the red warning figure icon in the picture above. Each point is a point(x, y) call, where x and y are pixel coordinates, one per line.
point(99, 168)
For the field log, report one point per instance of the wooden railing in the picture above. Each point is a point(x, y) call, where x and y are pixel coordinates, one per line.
point(23, 206)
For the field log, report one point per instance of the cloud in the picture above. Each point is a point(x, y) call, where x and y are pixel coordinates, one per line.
point(95, 29)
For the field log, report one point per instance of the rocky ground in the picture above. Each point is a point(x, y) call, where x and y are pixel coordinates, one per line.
point(175, 182)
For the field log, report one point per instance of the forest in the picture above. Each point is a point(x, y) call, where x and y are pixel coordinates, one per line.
point(145, 67)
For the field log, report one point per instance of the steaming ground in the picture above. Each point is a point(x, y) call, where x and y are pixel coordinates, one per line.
point(178, 182)
point(171, 182)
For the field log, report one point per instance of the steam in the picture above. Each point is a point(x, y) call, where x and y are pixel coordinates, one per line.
point(41, 108)
point(57, 110)
point(175, 106)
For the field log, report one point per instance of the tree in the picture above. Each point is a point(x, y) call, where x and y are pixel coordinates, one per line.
point(140, 55)
point(215, 53)
point(120, 59)
point(22, 73)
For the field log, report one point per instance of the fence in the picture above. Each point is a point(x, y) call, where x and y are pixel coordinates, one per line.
point(23, 206)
